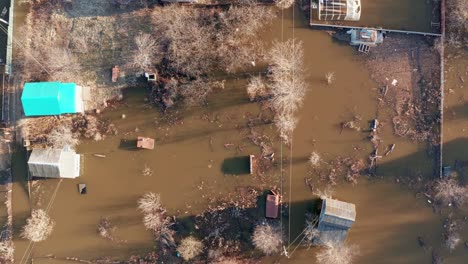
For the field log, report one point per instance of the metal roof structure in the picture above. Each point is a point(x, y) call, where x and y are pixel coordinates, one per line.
point(54, 163)
point(51, 98)
point(336, 218)
point(339, 10)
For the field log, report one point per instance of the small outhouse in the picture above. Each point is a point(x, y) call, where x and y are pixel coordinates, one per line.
point(335, 220)
point(54, 163)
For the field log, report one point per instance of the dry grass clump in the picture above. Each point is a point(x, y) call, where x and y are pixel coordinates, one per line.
point(190, 247)
point(256, 88)
point(336, 253)
point(38, 227)
point(330, 77)
point(7, 250)
point(449, 192)
point(267, 238)
point(287, 84)
point(62, 136)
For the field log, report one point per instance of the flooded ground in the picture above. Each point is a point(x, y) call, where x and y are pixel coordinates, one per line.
point(187, 166)
point(416, 15)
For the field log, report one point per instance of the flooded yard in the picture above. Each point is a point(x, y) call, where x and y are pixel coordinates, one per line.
point(190, 166)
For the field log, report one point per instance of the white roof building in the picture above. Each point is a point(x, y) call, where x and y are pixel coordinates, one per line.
point(339, 10)
point(54, 163)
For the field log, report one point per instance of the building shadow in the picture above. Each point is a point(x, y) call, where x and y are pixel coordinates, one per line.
point(236, 166)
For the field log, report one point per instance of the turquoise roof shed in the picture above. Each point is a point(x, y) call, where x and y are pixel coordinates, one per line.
point(50, 98)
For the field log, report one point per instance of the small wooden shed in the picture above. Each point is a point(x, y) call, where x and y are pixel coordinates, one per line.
point(145, 143)
point(272, 204)
point(335, 219)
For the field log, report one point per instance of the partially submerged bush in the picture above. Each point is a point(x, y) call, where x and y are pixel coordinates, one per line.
point(256, 88)
point(330, 77)
point(268, 238)
point(150, 202)
point(38, 227)
point(314, 159)
point(7, 250)
point(336, 253)
point(189, 248)
point(449, 192)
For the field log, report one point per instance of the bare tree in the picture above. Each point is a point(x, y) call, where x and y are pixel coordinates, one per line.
point(336, 253)
point(237, 30)
point(62, 136)
point(267, 238)
point(287, 83)
point(449, 192)
point(185, 42)
point(38, 227)
point(190, 247)
point(144, 54)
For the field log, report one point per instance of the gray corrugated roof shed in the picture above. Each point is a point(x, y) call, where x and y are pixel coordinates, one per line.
point(54, 163)
point(337, 213)
point(335, 219)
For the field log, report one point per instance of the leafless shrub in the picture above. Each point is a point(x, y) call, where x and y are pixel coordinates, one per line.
point(314, 159)
point(330, 77)
point(190, 247)
point(449, 192)
point(267, 238)
point(7, 250)
point(146, 171)
point(144, 54)
point(62, 136)
point(38, 227)
point(106, 229)
point(336, 253)
point(452, 236)
point(284, 4)
point(150, 202)
point(256, 88)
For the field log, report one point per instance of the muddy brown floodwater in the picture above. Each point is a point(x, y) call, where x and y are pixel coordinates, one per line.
point(187, 168)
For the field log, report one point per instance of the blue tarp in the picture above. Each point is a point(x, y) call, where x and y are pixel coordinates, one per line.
point(49, 98)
